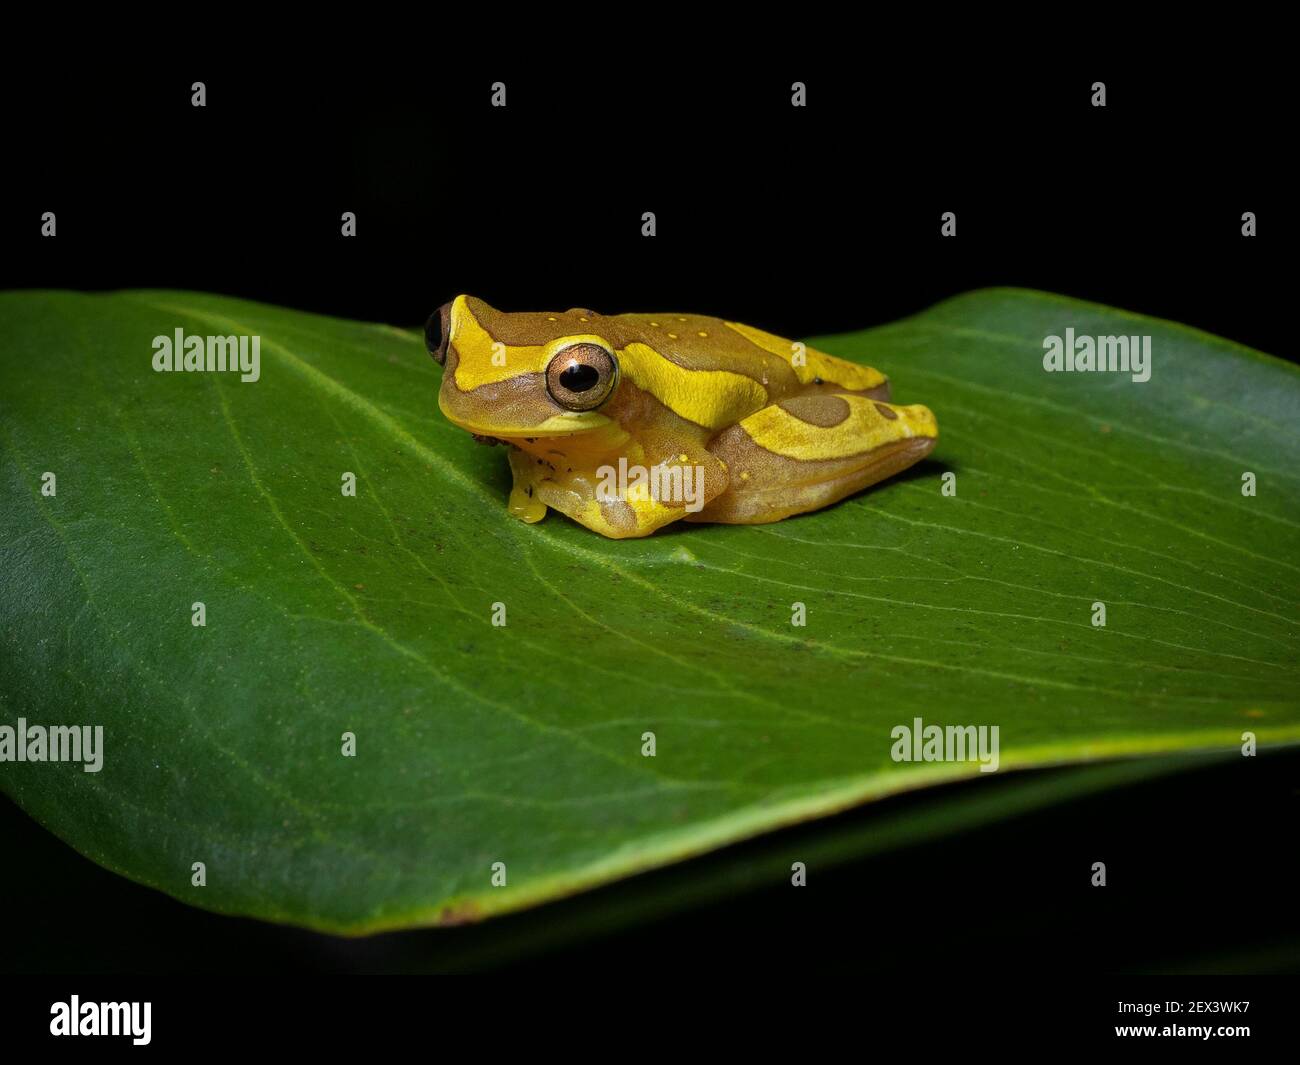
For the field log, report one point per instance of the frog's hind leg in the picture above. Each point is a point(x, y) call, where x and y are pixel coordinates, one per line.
point(812, 450)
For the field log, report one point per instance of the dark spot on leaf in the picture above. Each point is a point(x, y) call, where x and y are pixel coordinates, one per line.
point(463, 912)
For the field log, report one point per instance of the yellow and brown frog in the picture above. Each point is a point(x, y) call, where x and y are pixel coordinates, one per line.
point(629, 422)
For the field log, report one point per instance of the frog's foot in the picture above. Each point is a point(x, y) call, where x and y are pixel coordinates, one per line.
point(524, 503)
point(813, 450)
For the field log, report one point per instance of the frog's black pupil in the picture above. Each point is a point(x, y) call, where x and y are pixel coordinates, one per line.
point(579, 377)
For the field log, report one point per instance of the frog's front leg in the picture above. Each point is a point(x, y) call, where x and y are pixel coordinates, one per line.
point(524, 502)
point(812, 450)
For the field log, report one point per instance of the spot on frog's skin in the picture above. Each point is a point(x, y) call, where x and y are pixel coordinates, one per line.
point(620, 515)
point(824, 411)
point(767, 437)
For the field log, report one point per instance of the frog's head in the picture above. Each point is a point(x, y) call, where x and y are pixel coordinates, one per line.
point(516, 376)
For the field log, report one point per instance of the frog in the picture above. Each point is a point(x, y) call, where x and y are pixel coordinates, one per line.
point(627, 423)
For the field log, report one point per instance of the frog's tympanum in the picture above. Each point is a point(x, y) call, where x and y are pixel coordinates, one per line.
point(628, 422)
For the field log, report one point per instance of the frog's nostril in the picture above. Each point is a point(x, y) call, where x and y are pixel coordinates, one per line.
point(437, 331)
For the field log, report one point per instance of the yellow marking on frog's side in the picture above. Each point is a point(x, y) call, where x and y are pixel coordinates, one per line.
point(711, 398)
point(865, 429)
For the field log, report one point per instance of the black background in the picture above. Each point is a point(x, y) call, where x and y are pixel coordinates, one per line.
point(800, 221)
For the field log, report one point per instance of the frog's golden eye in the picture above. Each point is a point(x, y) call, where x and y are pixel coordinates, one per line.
point(580, 376)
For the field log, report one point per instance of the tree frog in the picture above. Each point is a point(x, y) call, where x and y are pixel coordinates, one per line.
point(629, 422)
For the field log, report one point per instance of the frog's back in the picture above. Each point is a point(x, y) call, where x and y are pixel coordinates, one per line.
point(691, 342)
point(783, 367)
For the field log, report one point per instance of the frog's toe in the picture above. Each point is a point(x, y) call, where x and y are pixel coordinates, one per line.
point(525, 506)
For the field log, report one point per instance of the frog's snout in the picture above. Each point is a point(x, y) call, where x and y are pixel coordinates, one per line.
point(921, 421)
point(437, 332)
point(911, 422)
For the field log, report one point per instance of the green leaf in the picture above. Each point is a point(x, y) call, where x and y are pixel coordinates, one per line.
point(521, 744)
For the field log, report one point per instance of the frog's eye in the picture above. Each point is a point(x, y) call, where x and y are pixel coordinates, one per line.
point(580, 376)
point(437, 331)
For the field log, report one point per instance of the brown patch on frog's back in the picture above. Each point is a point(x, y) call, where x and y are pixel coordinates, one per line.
point(824, 411)
point(515, 329)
